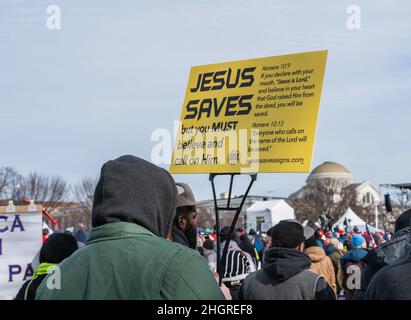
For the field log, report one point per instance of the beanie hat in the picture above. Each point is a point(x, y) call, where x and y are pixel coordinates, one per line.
point(311, 242)
point(289, 234)
point(357, 240)
point(58, 247)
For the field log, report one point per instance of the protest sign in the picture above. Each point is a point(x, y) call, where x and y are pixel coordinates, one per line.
point(20, 240)
point(256, 115)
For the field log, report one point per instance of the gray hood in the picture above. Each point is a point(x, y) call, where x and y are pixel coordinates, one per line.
point(133, 190)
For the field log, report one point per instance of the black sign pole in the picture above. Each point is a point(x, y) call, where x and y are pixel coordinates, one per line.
point(217, 222)
point(220, 258)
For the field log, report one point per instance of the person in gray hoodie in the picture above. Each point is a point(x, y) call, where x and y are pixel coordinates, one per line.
point(286, 273)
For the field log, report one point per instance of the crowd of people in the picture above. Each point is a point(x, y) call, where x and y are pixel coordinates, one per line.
point(145, 244)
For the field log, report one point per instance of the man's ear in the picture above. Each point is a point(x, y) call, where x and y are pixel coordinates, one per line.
point(301, 247)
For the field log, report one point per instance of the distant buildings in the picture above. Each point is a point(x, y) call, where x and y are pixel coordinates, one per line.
point(207, 213)
point(366, 193)
point(366, 197)
point(262, 215)
point(338, 181)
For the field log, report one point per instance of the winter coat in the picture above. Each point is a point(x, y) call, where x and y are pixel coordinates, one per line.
point(322, 265)
point(233, 246)
point(285, 275)
point(28, 290)
point(257, 242)
point(393, 282)
point(127, 255)
point(235, 266)
point(335, 259)
point(352, 257)
point(329, 250)
point(385, 254)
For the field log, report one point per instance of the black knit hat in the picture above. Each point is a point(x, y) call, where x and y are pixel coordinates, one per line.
point(289, 234)
point(58, 247)
point(311, 242)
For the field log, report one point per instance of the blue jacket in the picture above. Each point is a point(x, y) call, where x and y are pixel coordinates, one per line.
point(258, 244)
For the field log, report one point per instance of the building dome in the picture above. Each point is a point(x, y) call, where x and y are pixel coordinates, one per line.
point(331, 170)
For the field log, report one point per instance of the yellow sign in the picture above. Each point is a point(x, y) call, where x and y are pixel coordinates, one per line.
point(246, 116)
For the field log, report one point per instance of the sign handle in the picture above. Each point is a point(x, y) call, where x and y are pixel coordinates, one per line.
point(237, 210)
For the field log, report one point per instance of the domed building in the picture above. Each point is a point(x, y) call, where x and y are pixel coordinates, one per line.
point(338, 177)
point(331, 170)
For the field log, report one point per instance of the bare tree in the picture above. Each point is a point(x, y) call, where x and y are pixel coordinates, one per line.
point(7, 178)
point(50, 190)
point(347, 199)
point(403, 198)
point(331, 197)
point(84, 193)
point(323, 194)
point(326, 196)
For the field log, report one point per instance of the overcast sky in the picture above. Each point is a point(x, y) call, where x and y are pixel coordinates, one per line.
point(74, 98)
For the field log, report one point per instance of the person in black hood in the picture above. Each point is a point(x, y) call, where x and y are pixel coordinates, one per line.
point(388, 269)
point(286, 273)
point(57, 247)
point(185, 222)
point(135, 191)
point(387, 253)
point(129, 254)
point(393, 282)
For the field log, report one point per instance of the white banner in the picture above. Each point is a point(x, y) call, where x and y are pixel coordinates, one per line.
point(20, 240)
